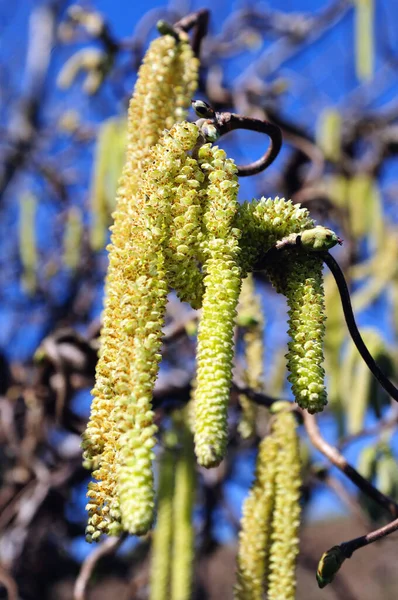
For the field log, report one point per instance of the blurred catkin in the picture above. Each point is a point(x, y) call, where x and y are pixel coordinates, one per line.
point(27, 241)
point(284, 545)
point(73, 238)
point(268, 541)
point(250, 316)
point(255, 534)
point(163, 534)
point(183, 503)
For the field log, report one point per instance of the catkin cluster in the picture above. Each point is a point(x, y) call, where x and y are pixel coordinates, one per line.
point(178, 224)
point(120, 434)
point(268, 542)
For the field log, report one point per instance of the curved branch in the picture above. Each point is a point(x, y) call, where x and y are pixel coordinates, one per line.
point(352, 326)
point(225, 122)
point(340, 462)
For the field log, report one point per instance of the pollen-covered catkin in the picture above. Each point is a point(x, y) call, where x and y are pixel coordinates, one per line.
point(146, 270)
point(184, 273)
point(300, 280)
point(286, 512)
point(263, 222)
point(222, 283)
point(120, 431)
point(255, 534)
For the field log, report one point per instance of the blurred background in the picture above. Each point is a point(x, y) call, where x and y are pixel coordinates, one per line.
point(325, 72)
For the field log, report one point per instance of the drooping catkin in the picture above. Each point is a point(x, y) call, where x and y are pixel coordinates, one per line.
point(73, 236)
point(183, 531)
point(284, 545)
point(255, 534)
point(263, 222)
point(222, 282)
point(107, 168)
point(121, 430)
point(27, 241)
point(143, 321)
point(300, 280)
point(250, 316)
point(163, 533)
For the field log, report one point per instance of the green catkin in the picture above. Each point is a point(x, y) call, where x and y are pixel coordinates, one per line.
point(364, 39)
point(184, 274)
point(108, 164)
point(250, 316)
point(286, 512)
point(163, 534)
point(120, 432)
point(143, 322)
point(27, 242)
point(263, 222)
point(300, 280)
point(222, 287)
point(255, 534)
point(73, 238)
point(183, 531)
point(328, 134)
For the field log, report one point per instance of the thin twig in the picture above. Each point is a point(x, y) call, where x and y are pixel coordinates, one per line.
point(341, 463)
point(348, 548)
point(9, 583)
point(224, 122)
point(88, 566)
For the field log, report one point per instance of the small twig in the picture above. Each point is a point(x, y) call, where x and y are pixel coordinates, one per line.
point(88, 566)
point(9, 584)
point(332, 560)
point(352, 326)
point(377, 430)
point(198, 21)
point(225, 122)
point(348, 548)
point(341, 463)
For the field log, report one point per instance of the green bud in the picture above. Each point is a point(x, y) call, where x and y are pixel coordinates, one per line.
point(328, 566)
point(319, 239)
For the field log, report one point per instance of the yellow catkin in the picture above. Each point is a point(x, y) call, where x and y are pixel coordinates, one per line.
point(364, 38)
point(163, 533)
point(27, 242)
point(108, 164)
point(183, 531)
point(184, 274)
point(136, 272)
point(299, 278)
point(255, 534)
point(222, 287)
point(286, 512)
point(328, 134)
point(143, 309)
point(73, 238)
point(250, 309)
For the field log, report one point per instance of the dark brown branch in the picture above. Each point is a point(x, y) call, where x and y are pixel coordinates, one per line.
point(351, 546)
point(352, 326)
